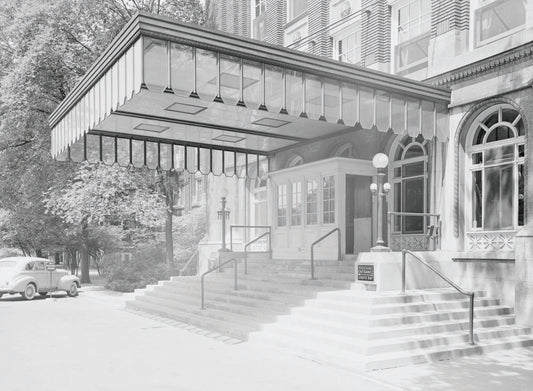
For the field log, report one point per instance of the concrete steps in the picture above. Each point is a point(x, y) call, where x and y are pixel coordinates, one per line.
point(369, 330)
point(329, 320)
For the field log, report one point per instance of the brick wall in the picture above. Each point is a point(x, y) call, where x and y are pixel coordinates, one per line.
point(376, 31)
point(449, 15)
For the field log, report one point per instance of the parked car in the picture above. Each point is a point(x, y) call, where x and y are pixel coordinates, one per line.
point(30, 276)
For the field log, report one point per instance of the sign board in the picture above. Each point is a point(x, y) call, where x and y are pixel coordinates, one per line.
point(365, 272)
point(50, 267)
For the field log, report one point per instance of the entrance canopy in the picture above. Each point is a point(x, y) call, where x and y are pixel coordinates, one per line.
point(171, 95)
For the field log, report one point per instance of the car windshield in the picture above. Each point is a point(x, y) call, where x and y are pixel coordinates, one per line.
point(7, 264)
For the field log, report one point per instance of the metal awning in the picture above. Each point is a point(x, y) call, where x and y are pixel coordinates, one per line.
point(171, 95)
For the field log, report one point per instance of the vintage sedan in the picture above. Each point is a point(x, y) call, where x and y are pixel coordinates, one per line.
point(30, 276)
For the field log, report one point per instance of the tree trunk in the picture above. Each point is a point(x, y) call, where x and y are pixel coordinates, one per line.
point(85, 278)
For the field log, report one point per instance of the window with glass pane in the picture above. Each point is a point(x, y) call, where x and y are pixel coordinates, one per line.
point(296, 204)
point(260, 7)
point(328, 199)
point(414, 25)
point(409, 177)
point(296, 8)
point(498, 18)
point(349, 47)
point(282, 205)
point(496, 156)
point(312, 202)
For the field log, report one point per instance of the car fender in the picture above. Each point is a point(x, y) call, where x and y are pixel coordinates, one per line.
point(65, 282)
point(20, 283)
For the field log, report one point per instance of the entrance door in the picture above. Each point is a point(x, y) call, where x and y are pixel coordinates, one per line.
point(358, 214)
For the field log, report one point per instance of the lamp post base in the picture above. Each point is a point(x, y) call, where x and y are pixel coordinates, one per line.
point(380, 249)
point(223, 250)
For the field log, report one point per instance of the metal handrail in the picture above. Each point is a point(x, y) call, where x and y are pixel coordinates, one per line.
point(194, 254)
point(253, 241)
point(454, 285)
point(244, 226)
point(234, 260)
point(318, 241)
point(415, 214)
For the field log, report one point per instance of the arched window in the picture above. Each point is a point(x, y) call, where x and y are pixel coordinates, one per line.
point(408, 176)
point(295, 160)
point(345, 150)
point(495, 149)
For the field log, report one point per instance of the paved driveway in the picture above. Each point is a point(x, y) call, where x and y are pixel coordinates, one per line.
point(90, 343)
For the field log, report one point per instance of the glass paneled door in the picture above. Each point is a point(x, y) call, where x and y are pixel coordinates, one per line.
point(358, 214)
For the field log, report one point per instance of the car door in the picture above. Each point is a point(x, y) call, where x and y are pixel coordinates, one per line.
point(41, 276)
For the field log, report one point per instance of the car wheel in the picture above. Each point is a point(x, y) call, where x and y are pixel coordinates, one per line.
point(73, 291)
point(29, 292)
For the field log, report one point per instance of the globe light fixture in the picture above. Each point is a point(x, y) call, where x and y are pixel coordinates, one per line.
point(380, 189)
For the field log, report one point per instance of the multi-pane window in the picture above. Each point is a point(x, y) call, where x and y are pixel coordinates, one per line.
point(496, 155)
point(296, 8)
point(409, 181)
point(312, 202)
point(282, 205)
point(260, 7)
point(328, 199)
point(349, 47)
point(296, 204)
point(414, 26)
point(496, 18)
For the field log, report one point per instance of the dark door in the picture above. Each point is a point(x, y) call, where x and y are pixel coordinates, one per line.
point(358, 213)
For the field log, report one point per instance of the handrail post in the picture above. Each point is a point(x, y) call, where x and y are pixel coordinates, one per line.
point(404, 254)
point(235, 264)
point(231, 237)
point(339, 243)
point(312, 263)
point(270, 243)
point(471, 342)
point(245, 261)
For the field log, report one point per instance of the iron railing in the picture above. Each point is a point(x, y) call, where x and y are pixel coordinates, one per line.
point(195, 255)
point(432, 231)
point(318, 241)
point(454, 285)
point(232, 227)
point(234, 260)
point(252, 242)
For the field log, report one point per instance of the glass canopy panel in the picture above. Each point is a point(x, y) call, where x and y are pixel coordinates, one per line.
point(93, 148)
point(273, 88)
point(165, 156)
point(349, 96)
point(383, 111)
point(294, 92)
point(252, 91)
point(366, 107)
point(313, 96)
point(229, 163)
point(216, 162)
point(191, 157)
point(428, 119)
point(331, 89)
point(137, 153)
point(240, 168)
point(108, 150)
point(252, 166)
point(206, 74)
point(152, 155)
point(413, 117)
point(230, 79)
point(155, 64)
point(181, 69)
point(398, 114)
point(123, 152)
point(205, 161)
point(179, 158)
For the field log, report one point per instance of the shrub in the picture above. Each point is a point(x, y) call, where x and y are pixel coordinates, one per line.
point(144, 266)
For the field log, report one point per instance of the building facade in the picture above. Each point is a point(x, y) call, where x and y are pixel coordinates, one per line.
point(471, 183)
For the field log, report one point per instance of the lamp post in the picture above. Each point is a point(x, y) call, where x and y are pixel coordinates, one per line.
point(380, 190)
point(223, 215)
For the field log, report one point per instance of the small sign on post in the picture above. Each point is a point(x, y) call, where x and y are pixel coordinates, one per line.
point(365, 272)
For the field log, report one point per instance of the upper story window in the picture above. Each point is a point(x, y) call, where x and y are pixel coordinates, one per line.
point(412, 35)
point(259, 20)
point(495, 19)
point(296, 8)
point(348, 46)
point(260, 7)
point(346, 9)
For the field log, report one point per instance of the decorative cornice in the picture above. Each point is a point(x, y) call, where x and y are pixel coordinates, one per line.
point(515, 55)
